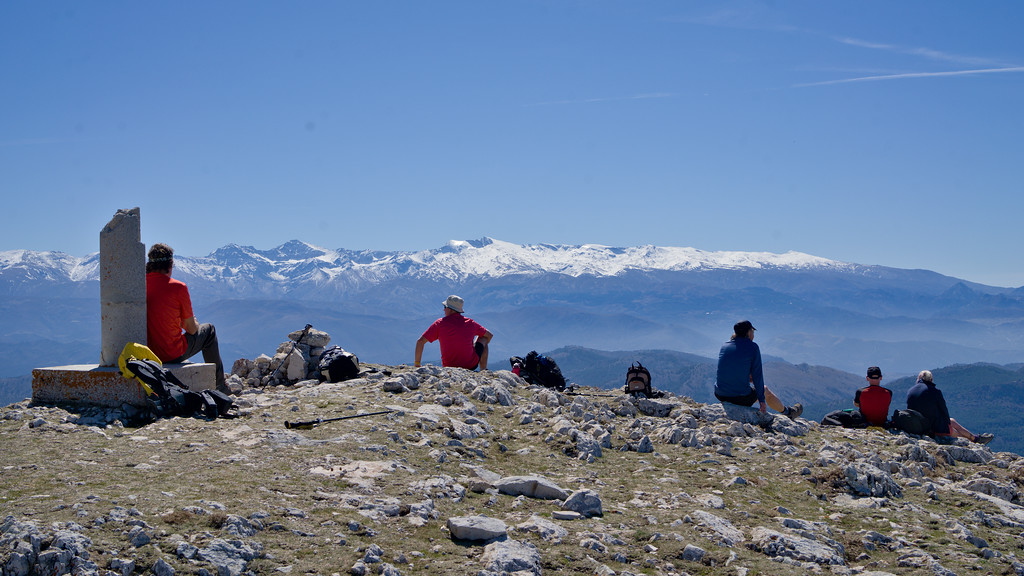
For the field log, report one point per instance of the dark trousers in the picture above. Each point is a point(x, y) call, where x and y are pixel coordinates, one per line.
point(747, 400)
point(478, 347)
point(205, 341)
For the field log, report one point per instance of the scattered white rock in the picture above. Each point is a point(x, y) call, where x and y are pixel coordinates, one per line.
point(531, 486)
point(476, 528)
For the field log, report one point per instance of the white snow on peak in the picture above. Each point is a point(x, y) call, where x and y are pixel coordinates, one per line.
point(490, 257)
point(53, 265)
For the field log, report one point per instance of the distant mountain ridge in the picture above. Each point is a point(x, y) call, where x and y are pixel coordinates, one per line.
point(808, 310)
point(295, 263)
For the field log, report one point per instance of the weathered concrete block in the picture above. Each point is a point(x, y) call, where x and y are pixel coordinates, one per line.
point(105, 386)
point(122, 285)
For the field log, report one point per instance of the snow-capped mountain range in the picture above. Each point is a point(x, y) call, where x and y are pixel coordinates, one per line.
point(299, 262)
point(806, 308)
point(49, 266)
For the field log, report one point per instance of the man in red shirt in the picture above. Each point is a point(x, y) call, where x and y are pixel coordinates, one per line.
point(169, 311)
point(873, 400)
point(456, 334)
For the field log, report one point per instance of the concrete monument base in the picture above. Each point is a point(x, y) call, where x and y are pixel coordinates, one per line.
point(105, 386)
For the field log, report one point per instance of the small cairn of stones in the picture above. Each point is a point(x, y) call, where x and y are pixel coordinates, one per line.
point(293, 362)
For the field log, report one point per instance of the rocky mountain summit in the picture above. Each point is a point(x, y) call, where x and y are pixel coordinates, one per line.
point(459, 472)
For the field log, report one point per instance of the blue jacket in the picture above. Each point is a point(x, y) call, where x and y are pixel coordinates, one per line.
point(739, 362)
point(927, 399)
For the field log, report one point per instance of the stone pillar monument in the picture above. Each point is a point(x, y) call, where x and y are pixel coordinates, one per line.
point(122, 285)
point(122, 320)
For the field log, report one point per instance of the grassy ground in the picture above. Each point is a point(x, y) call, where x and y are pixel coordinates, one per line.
point(185, 476)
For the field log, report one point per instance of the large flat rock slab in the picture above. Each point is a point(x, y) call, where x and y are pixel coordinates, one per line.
point(105, 386)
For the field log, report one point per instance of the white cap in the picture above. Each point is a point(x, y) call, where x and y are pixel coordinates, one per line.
point(455, 303)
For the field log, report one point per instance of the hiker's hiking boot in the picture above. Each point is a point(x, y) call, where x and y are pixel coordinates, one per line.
point(222, 387)
point(795, 411)
point(984, 438)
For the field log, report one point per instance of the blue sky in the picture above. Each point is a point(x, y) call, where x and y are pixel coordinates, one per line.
point(873, 132)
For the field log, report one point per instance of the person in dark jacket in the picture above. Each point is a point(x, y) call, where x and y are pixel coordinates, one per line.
point(925, 398)
point(740, 379)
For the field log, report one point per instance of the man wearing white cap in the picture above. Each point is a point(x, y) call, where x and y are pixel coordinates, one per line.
point(456, 333)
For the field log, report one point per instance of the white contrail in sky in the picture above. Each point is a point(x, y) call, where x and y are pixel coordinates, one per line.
point(914, 75)
point(923, 52)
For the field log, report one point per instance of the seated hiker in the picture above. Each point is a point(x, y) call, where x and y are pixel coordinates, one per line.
point(456, 334)
point(169, 312)
point(740, 379)
point(873, 399)
point(925, 398)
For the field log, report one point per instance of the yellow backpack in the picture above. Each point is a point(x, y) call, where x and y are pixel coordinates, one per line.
point(136, 351)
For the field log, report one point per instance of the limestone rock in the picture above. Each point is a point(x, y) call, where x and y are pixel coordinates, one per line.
point(645, 446)
point(789, 427)
point(161, 568)
point(512, 557)
point(655, 407)
point(231, 557)
point(494, 394)
point(467, 429)
point(531, 486)
point(474, 528)
point(693, 553)
point(545, 528)
point(1001, 490)
point(239, 526)
point(585, 502)
point(967, 454)
point(917, 558)
point(314, 337)
point(867, 480)
point(751, 415)
point(775, 544)
point(566, 515)
point(717, 529)
point(587, 448)
point(296, 367)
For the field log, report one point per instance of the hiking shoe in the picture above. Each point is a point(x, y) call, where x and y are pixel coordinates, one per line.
point(795, 411)
point(984, 438)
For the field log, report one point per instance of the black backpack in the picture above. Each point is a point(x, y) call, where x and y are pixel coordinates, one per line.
point(911, 422)
point(337, 365)
point(638, 380)
point(167, 396)
point(848, 418)
point(216, 404)
point(539, 369)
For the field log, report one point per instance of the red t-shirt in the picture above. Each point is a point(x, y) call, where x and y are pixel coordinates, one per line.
point(167, 305)
point(456, 333)
point(874, 404)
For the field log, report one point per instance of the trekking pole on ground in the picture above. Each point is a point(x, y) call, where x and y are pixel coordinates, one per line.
point(571, 390)
point(294, 344)
point(311, 423)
